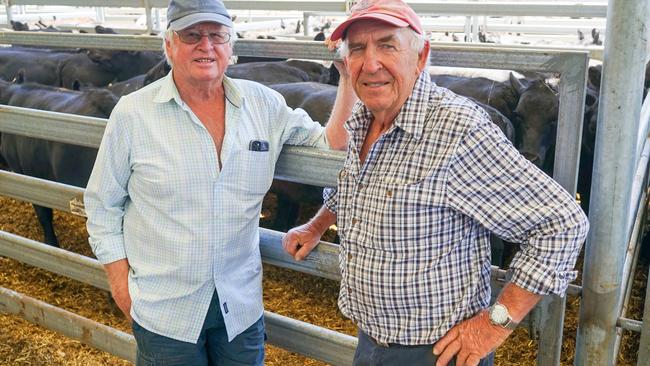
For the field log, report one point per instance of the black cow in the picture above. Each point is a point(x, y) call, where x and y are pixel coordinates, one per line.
point(535, 118)
point(487, 91)
point(42, 64)
point(50, 160)
point(267, 72)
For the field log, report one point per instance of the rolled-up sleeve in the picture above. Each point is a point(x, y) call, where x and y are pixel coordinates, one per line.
point(106, 194)
point(491, 182)
point(330, 199)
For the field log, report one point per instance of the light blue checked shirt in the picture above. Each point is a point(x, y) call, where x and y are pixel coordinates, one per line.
point(156, 196)
point(415, 218)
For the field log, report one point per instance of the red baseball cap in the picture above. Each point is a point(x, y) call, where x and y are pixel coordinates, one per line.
point(394, 12)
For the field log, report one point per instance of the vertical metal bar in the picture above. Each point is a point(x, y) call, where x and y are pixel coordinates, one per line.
point(644, 343)
point(305, 23)
point(614, 165)
point(8, 10)
point(147, 13)
point(468, 29)
point(100, 15)
point(475, 28)
point(157, 24)
point(567, 152)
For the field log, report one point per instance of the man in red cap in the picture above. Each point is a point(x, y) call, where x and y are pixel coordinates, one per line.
point(427, 177)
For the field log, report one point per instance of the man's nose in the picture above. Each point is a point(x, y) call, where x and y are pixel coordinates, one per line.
point(204, 42)
point(371, 62)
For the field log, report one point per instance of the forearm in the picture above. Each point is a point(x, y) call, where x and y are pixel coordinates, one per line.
point(337, 136)
point(118, 274)
point(518, 301)
point(323, 219)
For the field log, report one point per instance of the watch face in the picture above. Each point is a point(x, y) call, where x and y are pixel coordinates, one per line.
point(499, 314)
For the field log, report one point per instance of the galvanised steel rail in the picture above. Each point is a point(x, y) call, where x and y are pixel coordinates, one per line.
point(493, 8)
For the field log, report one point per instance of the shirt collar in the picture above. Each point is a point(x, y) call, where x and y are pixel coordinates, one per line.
point(412, 115)
point(168, 91)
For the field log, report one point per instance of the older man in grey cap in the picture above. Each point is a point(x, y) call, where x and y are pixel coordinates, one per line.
point(174, 199)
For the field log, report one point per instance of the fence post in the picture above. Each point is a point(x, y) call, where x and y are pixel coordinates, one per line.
point(7, 10)
point(614, 168)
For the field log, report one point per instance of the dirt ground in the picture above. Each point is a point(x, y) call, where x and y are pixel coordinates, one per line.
point(286, 292)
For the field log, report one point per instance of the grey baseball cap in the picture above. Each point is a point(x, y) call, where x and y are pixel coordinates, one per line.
point(184, 13)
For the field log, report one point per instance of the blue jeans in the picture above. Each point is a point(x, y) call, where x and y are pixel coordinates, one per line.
point(212, 347)
point(369, 353)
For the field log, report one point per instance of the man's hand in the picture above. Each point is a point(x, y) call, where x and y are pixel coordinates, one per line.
point(118, 278)
point(470, 341)
point(300, 241)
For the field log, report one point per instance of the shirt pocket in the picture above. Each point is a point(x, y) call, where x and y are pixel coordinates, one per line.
point(253, 171)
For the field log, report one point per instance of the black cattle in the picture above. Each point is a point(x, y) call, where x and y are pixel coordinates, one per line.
point(535, 118)
point(316, 71)
point(41, 64)
point(267, 72)
point(156, 72)
point(493, 93)
point(125, 87)
point(316, 99)
point(50, 160)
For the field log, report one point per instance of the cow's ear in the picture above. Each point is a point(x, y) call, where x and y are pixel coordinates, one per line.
point(76, 85)
point(20, 77)
point(516, 84)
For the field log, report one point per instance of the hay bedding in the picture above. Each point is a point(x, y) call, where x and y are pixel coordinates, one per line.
point(286, 292)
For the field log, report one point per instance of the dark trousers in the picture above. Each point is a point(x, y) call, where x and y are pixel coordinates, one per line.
point(212, 348)
point(369, 353)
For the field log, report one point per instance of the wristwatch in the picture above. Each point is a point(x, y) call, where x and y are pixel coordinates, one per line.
point(500, 316)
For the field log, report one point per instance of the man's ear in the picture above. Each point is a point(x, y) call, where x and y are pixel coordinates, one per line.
point(423, 57)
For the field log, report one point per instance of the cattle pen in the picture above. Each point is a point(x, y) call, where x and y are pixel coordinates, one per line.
point(619, 190)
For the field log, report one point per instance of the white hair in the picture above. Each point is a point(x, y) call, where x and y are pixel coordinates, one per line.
point(416, 42)
point(167, 37)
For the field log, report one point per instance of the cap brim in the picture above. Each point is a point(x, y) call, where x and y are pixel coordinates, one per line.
point(195, 18)
point(339, 32)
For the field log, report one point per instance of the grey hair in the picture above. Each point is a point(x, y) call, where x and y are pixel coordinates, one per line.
point(167, 36)
point(416, 42)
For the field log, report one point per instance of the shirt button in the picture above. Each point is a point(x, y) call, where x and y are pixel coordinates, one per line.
point(342, 174)
point(354, 221)
point(389, 193)
point(349, 256)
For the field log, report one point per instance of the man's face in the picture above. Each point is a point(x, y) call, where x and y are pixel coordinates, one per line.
point(202, 61)
point(382, 65)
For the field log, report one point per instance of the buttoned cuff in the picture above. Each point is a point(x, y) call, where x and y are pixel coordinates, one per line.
point(109, 249)
point(536, 277)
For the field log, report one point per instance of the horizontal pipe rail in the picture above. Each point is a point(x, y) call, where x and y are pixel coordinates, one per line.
point(52, 126)
point(89, 332)
point(555, 59)
point(629, 324)
point(563, 9)
point(296, 163)
point(315, 342)
point(333, 347)
point(290, 334)
point(322, 262)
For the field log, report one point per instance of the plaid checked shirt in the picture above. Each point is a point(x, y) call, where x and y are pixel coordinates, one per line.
point(414, 219)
